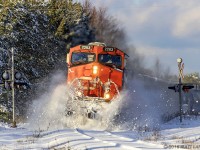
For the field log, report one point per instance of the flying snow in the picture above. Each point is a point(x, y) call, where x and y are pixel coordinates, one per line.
point(139, 105)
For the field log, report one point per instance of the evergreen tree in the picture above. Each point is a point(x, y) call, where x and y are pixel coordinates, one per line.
point(71, 23)
point(39, 33)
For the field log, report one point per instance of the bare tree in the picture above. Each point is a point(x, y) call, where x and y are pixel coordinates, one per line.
point(107, 29)
point(157, 71)
point(166, 73)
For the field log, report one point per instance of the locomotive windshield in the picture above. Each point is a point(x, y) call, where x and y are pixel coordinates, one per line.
point(110, 60)
point(82, 58)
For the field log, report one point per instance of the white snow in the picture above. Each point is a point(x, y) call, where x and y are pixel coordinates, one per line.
point(171, 135)
point(138, 126)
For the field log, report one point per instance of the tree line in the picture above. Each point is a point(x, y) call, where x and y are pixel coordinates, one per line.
point(41, 33)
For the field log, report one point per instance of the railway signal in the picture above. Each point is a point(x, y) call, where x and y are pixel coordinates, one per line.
point(7, 81)
point(180, 67)
point(183, 87)
point(186, 88)
point(11, 79)
point(175, 88)
point(180, 87)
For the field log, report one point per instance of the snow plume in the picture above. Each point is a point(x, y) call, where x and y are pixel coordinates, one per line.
point(143, 104)
point(49, 110)
point(147, 103)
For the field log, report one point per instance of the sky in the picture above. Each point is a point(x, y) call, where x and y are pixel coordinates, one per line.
point(163, 29)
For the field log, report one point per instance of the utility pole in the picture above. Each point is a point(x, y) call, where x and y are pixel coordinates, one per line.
point(180, 67)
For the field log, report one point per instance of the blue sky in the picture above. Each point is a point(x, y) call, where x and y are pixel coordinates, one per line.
point(164, 29)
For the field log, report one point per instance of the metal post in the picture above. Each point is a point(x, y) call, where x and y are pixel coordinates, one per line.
point(13, 88)
point(180, 67)
point(180, 99)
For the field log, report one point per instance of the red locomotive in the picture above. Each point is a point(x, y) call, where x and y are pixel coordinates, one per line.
point(95, 71)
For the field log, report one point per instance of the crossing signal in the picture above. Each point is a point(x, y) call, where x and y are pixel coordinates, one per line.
point(175, 88)
point(185, 88)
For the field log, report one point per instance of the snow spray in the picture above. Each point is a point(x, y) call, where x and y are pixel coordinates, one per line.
point(143, 103)
point(48, 111)
point(147, 103)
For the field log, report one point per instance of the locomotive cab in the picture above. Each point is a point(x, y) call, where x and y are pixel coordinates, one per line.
point(95, 71)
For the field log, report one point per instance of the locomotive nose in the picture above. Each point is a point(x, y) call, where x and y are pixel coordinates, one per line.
point(87, 70)
point(91, 70)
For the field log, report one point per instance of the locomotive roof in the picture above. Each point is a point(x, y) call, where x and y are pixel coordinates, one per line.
point(96, 44)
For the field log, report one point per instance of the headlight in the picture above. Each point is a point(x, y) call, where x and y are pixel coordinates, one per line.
point(79, 93)
point(95, 69)
point(107, 96)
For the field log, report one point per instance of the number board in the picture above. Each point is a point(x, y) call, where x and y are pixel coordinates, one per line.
point(109, 49)
point(86, 47)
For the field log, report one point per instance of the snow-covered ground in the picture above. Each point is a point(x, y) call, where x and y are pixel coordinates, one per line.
point(172, 135)
point(133, 121)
